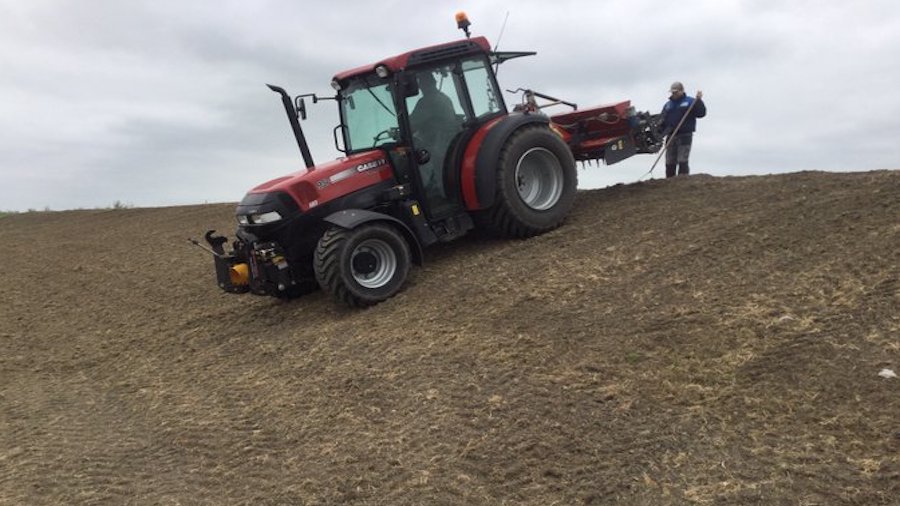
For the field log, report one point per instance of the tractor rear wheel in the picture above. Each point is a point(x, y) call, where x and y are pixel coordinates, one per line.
point(536, 184)
point(362, 266)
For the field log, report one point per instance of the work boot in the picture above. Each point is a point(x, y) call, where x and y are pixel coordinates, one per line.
point(683, 169)
point(670, 170)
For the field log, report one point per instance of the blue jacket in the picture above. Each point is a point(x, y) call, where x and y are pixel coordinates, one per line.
point(674, 110)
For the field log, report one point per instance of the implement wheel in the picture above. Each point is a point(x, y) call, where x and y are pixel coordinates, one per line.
point(362, 266)
point(536, 184)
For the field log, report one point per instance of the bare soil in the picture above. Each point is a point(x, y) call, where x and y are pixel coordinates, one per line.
point(697, 340)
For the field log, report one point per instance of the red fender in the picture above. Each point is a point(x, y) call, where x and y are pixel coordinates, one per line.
point(478, 180)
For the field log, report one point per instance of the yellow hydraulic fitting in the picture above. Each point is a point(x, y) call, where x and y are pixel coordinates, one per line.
point(240, 274)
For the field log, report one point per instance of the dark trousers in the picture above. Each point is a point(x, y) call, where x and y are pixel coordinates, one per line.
point(678, 153)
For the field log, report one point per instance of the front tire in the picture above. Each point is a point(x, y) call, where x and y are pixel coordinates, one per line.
point(362, 266)
point(536, 184)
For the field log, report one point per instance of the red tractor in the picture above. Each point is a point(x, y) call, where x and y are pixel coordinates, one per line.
point(431, 152)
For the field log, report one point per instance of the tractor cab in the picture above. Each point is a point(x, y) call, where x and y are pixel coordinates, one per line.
point(420, 108)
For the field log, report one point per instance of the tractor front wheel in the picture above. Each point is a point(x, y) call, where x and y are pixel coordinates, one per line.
point(362, 266)
point(536, 184)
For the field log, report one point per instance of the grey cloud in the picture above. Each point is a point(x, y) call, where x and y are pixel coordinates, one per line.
point(159, 103)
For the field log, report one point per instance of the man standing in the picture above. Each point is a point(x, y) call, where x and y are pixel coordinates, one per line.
point(679, 143)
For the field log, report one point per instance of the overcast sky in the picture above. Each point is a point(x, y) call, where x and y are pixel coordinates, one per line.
point(156, 103)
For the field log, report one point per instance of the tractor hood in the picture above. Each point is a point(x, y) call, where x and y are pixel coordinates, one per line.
point(311, 188)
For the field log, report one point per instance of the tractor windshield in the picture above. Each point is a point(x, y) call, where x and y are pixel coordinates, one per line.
point(367, 109)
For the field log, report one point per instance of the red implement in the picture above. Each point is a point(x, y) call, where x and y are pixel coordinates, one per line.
point(601, 132)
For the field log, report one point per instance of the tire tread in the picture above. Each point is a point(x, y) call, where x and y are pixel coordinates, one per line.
point(328, 269)
point(500, 218)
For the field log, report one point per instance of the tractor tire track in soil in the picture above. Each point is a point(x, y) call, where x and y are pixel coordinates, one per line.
point(696, 340)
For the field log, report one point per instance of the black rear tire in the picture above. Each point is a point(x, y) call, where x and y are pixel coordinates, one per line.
point(536, 185)
point(362, 266)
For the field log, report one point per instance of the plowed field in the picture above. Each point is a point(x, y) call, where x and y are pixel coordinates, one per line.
point(697, 340)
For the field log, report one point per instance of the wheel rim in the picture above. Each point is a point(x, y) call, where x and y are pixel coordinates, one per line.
point(539, 179)
point(373, 263)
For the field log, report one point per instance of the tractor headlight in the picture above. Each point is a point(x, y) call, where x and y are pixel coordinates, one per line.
point(259, 219)
point(263, 218)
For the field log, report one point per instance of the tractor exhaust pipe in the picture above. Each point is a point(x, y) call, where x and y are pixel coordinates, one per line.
point(295, 125)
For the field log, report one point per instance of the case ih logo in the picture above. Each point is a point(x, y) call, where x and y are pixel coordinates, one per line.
point(344, 174)
point(370, 165)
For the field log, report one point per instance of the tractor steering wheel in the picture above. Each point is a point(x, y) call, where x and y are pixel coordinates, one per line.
point(392, 133)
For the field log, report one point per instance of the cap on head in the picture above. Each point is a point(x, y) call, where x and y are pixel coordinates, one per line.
point(676, 86)
point(427, 81)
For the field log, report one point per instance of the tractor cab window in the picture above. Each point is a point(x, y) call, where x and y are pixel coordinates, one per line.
point(438, 92)
point(367, 108)
point(482, 88)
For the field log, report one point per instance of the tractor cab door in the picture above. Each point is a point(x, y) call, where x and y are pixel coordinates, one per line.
point(453, 97)
point(436, 117)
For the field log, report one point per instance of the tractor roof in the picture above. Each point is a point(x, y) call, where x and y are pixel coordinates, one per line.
point(423, 55)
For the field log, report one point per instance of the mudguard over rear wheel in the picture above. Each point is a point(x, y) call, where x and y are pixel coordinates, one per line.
point(536, 184)
point(362, 266)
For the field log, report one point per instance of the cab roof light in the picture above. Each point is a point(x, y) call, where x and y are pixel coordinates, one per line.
point(462, 22)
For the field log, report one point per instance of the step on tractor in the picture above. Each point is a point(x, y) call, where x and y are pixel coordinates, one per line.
point(431, 151)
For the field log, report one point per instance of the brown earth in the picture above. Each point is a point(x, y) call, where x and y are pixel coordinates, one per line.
point(698, 340)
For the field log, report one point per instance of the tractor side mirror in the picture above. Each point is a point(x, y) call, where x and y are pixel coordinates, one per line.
point(301, 108)
point(410, 85)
